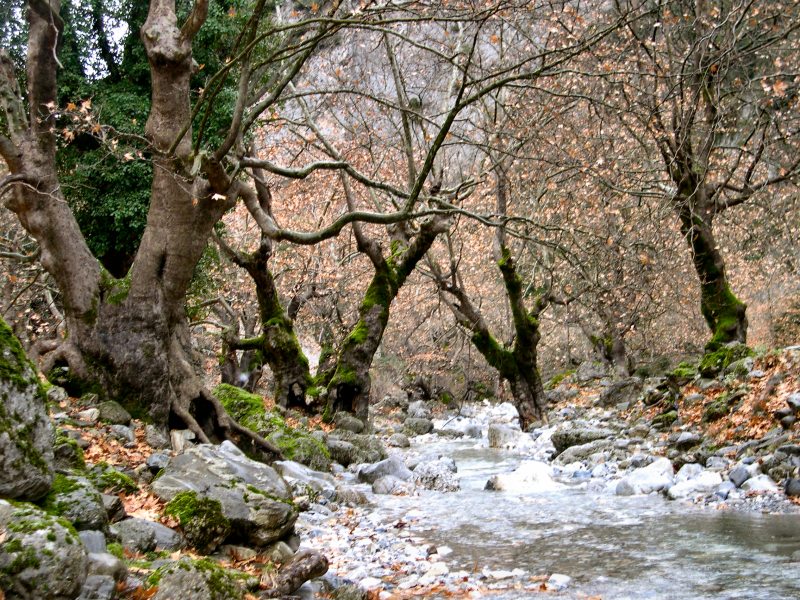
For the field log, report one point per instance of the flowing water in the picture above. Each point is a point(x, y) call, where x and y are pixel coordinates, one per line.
point(612, 546)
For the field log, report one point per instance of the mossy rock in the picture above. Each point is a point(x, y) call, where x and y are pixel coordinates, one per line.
point(559, 378)
point(202, 521)
point(109, 480)
point(201, 579)
point(685, 372)
point(26, 435)
point(715, 410)
point(68, 454)
point(295, 443)
point(76, 499)
point(714, 362)
point(666, 419)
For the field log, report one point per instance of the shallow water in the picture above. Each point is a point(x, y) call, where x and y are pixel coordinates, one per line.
point(612, 546)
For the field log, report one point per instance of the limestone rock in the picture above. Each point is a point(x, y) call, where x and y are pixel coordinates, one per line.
point(655, 477)
point(564, 437)
point(26, 435)
point(253, 496)
point(393, 466)
point(436, 475)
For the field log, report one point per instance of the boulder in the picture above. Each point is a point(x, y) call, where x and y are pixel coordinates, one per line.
point(417, 426)
point(589, 370)
point(655, 477)
point(253, 496)
point(437, 475)
point(300, 476)
point(760, 483)
point(98, 587)
point(505, 412)
point(399, 440)
point(195, 580)
point(583, 451)
point(26, 435)
point(564, 437)
point(693, 480)
point(41, 556)
point(108, 565)
point(739, 474)
point(113, 412)
point(687, 440)
point(419, 410)
point(389, 484)
point(531, 476)
point(148, 535)
point(503, 436)
point(78, 501)
point(348, 422)
point(393, 466)
point(348, 448)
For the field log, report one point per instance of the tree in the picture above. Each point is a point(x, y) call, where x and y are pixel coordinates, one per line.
point(701, 86)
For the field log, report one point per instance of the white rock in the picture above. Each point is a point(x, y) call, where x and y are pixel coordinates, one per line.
point(530, 476)
point(558, 582)
point(654, 477)
point(704, 482)
point(443, 551)
point(504, 413)
point(370, 583)
point(760, 483)
point(688, 471)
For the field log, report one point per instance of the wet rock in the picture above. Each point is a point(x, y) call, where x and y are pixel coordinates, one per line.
point(437, 475)
point(505, 412)
point(98, 587)
point(26, 435)
point(739, 475)
point(724, 489)
point(40, 557)
point(655, 477)
point(112, 412)
point(417, 426)
point(252, 495)
point(399, 440)
point(530, 476)
point(503, 436)
point(393, 466)
point(564, 437)
point(348, 422)
point(349, 592)
point(389, 484)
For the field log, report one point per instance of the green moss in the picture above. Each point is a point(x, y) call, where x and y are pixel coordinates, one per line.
point(115, 290)
point(714, 362)
point(115, 548)
point(715, 410)
point(359, 333)
point(201, 519)
point(558, 378)
point(109, 480)
point(222, 584)
point(248, 409)
point(15, 368)
point(62, 439)
point(685, 370)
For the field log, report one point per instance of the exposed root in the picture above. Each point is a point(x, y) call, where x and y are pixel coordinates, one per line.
point(51, 352)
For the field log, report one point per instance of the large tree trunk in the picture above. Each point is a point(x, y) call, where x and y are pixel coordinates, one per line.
point(725, 314)
point(128, 337)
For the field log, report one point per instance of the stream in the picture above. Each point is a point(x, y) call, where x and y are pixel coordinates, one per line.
point(612, 546)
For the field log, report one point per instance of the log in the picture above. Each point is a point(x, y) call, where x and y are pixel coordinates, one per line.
point(305, 565)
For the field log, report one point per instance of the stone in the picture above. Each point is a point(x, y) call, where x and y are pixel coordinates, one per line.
point(358, 448)
point(792, 487)
point(26, 435)
point(114, 507)
point(558, 582)
point(393, 466)
point(419, 410)
point(687, 440)
point(348, 422)
point(90, 415)
point(437, 475)
point(529, 476)
point(389, 484)
point(724, 489)
point(505, 412)
point(582, 451)
point(655, 477)
point(103, 563)
point(93, 541)
point(564, 437)
point(416, 426)
point(399, 440)
point(98, 587)
point(112, 412)
point(77, 500)
point(343, 452)
point(67, 454)
point(502, 436)
point(349, 591)
point(793, 400)
point(134, 536)
point(157, 461)
point(40, 555)
point(589, 370)
point(621, 391)
point(300, 476)
point(165, 537)
point(123, 433)
point(760, 483)
point(739, 475)
point(693, 482)
point(788, 421)
point(56, 394)
point(180, 438)
point(155, 437)
point(195, 580)
point(253, 496)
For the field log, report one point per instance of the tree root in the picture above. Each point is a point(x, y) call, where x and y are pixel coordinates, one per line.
point(47, 353)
